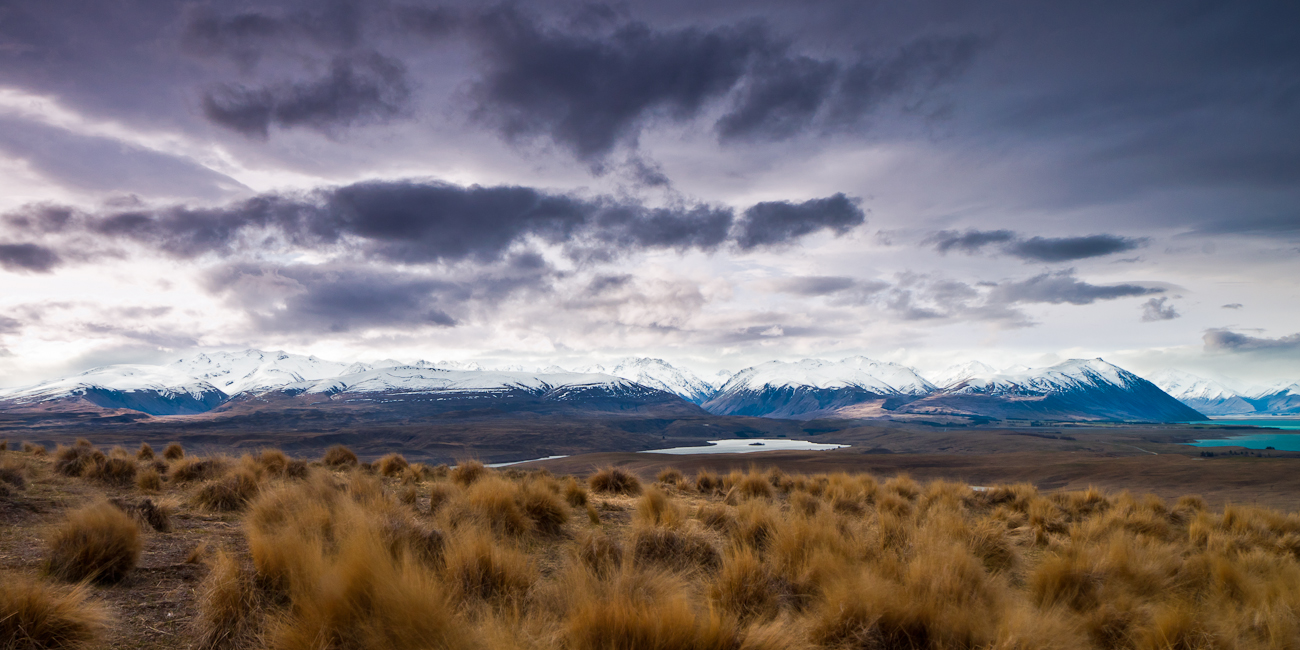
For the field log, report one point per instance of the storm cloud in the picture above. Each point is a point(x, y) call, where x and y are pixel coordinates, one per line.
point(418, 222)
point(1063, 287)
point(1033, 249)
point(1155, 309)
point(356, 90)
point(590, 92)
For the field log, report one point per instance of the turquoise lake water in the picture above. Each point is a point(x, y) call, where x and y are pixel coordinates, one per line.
point(1262, 440)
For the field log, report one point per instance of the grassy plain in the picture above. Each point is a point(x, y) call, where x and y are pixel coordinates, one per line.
point(162, 549)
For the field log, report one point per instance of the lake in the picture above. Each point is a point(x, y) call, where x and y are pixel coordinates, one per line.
point(1261, 440)
point(747, 445)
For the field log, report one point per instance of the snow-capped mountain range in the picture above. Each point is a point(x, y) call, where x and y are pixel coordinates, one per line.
point(1223, 397)
point(849, 388)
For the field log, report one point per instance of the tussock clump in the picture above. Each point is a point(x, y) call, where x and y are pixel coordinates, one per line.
point(118, 451)
point(644, 612)
point(174, 451)
point(114, 471)
point(198, 469)
point(541, 505)
point(744, 588)
point(274, 462)
point(615, 481)
point(296, 469)
point(716, 516)
point(600, 553)
point(149, 480)
point(228, 604)
point(156, 516)
point(340, 456)
point(673, 549)
point(707, 482)
point(409, 496)
point(753, 486)
point(671, 476)
point(34, 449)
point(14, 475)
point(480, 570)
point(574, 493)
point(467, 472)
point(145, 452)
point(228, 494)
point(391, 465)
point(35, 616)
point(4, 445)
point(756, 523)
point(655, 508)
point(97, 542)
point(495, 502)
point(77, 459)
point(439, 495)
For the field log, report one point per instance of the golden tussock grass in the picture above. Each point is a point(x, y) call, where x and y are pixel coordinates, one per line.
point(13, 474)
point(35, 615)
point(174, 451)
point(391, 465)
point(759, 559)
point(185, 470)
point(340, 456)
point(615, 481)
point(149, 481)
point(145, 452)
point(466, 472)
point(97, 542)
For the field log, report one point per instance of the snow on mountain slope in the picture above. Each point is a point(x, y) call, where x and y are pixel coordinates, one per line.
point(1280, 399)
point(961, 372)
point(1205, 395)
point(151, 389)
point(415, 379)
point(657, 373)
point(1078, 389)
point(255, 370)
point(1074, 374)
point(811, 386)
point(854, 372)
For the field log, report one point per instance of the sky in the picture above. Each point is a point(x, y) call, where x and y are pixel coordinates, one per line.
point(713, 183)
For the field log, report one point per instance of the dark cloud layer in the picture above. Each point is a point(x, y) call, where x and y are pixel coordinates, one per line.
point(1063, 287)
point(28, 257)
point(424, 222)
point(591, 91)
point(1223, 340)
point(1033, 249)
point(357, 89)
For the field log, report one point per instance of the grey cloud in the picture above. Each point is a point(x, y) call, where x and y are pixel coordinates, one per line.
point(814, 285)
point(1223, 340)
point(1064, 249)
point(1234, 305)
point(1155, 309)
point(324, 299)
point(28, 257)
point(779, 222)
point(245, 36)
point(101, 164)
point(971, 241)
point(358, 89)
point(590, 92)
point(1034, 249)
point(10, 325)
point(423, 222)
point(1063, 287)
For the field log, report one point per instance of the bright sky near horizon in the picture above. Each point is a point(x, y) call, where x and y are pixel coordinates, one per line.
point(713, 183)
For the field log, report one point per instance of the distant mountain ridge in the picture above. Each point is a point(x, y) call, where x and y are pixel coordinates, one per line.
point(1217, 398)
point(854, 387)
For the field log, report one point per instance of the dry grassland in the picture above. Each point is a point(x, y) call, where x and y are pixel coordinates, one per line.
point(139, 550)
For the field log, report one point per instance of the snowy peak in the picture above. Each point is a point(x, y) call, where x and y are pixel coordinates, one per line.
point(961, 372)
point(1068, 376)
point(1184, 386)
point(661, 375)
point(881, 378)
point(254, 370)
